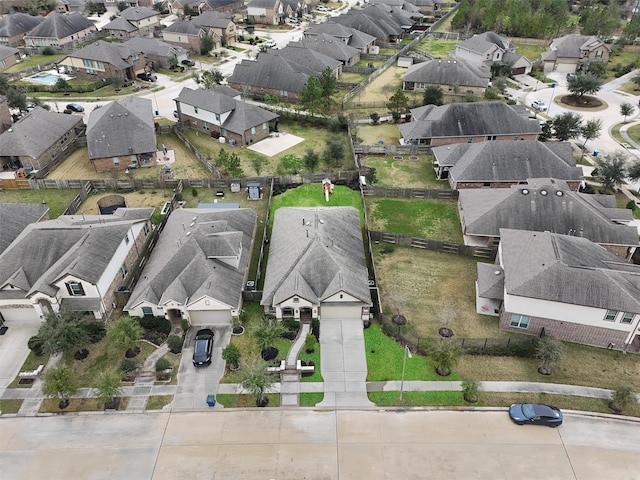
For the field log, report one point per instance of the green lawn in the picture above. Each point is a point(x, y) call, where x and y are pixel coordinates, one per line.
point(434, 219)
point(437, 47)
point(310, 399)
point(56, 200)
point(405, 173)
point(532, 52)
point(33, 61)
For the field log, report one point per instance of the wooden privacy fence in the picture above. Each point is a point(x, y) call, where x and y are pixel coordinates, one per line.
point(435, 245)
point(385, 149)
point(419, 193)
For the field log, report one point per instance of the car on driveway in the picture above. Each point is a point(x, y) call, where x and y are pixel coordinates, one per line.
point(148, 77)
point(535, 414)
point(202, 347)
point(293, 20)
point(188, 62)
point(74, 107)
point(539, 105)
point(270, 44)
point(322, 8)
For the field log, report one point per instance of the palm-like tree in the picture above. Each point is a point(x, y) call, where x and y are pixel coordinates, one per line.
point(621, 397)
point(267, 331)
point(626, 109)
point(445, 354)
point(257, 380)
point(549, 351)
point(124, 333)
point(108, 386)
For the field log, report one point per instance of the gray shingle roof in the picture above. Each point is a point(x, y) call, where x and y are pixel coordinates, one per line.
point(311, 59)
point(14, 218)
point(121, 128)
point(184, 26)
point(18, 23)
point(153, 46)
point(484, 43)
point(185, 268)
point(59, 26)
point(271, 71)
point(560, 210)
point(327, 45)
point(7, 51)
point(212, 20)
point(567, 269)
point(120, 24)
point(115, 54)
point(34, 133)
point(508, 161)
point(318, 260)
point(135, 14)
point(490, 281)
point(46, 251)
point(571, 46)
point(448, 71)
point(355, 38)
point(467, 119)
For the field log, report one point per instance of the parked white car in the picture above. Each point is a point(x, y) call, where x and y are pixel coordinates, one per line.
point(322, 8)
point(539, 105)
point(270, 44)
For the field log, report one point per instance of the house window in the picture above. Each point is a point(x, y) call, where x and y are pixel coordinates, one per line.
point(598, 53)
point(491, 137)
point(195, 109)
point(126, 239)
point(516, 137)
point(147, 311)
point(264, 126)
point(205, 125)
point(145, 229)
point(224, 132)
point(611, 315)
point(218, 117)
point(75, 289)
point(284, 93)
point(123, 270)
point(519, 321)
point(627, 317)
point(116, 161)
point(470, 140)
point(296, 300)
point(253, 130)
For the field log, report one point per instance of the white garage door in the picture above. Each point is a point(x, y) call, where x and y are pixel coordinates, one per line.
point(340, 311)
point(565, 68)
point(209, 317)
point(20, 314)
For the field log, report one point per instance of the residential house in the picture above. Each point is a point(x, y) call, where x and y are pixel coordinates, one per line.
point(381, 21)
point(5, 114)
point(221, 113)
point(121, 135)
point(329, 46)
point(61, 31)
point(504, 164)
point(350, 36)
point(574, 52)
point(219, 25)
point(198, 268)
point(134, 22)
point(294, 8)
point(74, 263)
point(488, 48)
point(39, 140)
point(564, 286)
point(266, 12)
point(104, 60)
point(427, 7)
point(401, 4)
point(14, 27)
point(547, 205)
point(452, 75)
point(177, 7)
point(71, 6)
point(157, 53)
point(186, 34)
point(15, 217)
point(8, 56)
point(468, 123)
point(317, 267)
point(309, 58)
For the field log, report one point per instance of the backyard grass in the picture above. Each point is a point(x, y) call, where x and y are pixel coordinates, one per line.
point(439, 289)
point(405, 174)
point(437, 47)
point(374, 134)
point(620, 60)
point(156, 402)
point(56, 200)
point(10, 405)
point(532, 52)
point(433, 219)
point(33, 61)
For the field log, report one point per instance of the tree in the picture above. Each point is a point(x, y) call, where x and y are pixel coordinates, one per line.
point(258, 162)
point(375, 118)
point(311, 159)
point(626, 110)
point(311, 96)
point(334, 150)
point(63, 333)
point(398, 104)
point(267, 331)
point(290, 164)
point(16, 98)
point(108, 387)
point(229, 164)
point(635, 79)
point(549, 351)
point(633, 170)
point(328, 84)
point(209, 78)
point(584, 84)
point(124, 333)
point(445, 355)
point(231, 355)
point(433, 95)
point(599, 20)
point(206, 44)
point(621, 397)
point(257, 380)
point(62, 85)
point(470, 389)
point(591, 129)
point(60, 382)
point(567, 125)
point(611, 169)
point(599, 69)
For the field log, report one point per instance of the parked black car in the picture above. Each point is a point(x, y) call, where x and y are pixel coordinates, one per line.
point(535, 413)
point(188, 62)
point(202, 347)
point(149, 77)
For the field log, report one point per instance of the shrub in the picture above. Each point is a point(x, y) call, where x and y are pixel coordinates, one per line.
point(310, 343)
point(388, 247)
point(631, 205)
point(194, 192)
point(231, 354)
point(184, 324)
point(127, 365)
point(47, 51)
point(163, 364)
point(95, 330)
point(175, 343)
point(35, 344)
point(315, 328)
point(159, 324)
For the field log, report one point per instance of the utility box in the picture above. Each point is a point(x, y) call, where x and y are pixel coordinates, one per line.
point(211, 400)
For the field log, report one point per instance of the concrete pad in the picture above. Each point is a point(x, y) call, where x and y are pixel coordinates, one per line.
point(197, 462)
point(273, 145)
point(241, 428)
point(14, 350)
point(360, 460)
point(301, 461)
point(256, 463)
point(519, 463)
point(595, 463)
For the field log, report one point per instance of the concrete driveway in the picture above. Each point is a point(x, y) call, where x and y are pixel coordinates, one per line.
point(195, 383)
point(283, 444)
point(13, 350)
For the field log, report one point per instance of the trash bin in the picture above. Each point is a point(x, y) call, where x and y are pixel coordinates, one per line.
point(596, 153)
point(211, 400)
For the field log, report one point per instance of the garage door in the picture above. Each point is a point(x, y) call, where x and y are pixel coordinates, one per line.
point(209, 317)
point(20, 314)
point(566, 68)
point(340, 311)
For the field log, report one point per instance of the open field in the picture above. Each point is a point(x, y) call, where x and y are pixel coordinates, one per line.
point(56, 200)
point(406, 173)
point(439, 289)
point(434, 219)
point(77, 165)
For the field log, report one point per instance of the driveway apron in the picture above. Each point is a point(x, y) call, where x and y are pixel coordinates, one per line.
point(343, 364)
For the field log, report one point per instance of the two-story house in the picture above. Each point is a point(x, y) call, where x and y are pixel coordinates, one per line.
point(14, 27)
point(61, 31)
point(574, 52)
point(219, 25)
point(266, 12)
point(134, 22)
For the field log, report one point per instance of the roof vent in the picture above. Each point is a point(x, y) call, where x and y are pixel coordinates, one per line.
point(525, 191)
point(497, 272)
point(188, 233)
point(543, 193)
point(559, 193)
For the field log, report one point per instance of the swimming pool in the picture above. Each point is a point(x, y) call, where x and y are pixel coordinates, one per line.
point(47, 78)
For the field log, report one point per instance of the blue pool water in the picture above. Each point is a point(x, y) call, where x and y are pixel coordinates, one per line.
point(45, 78)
